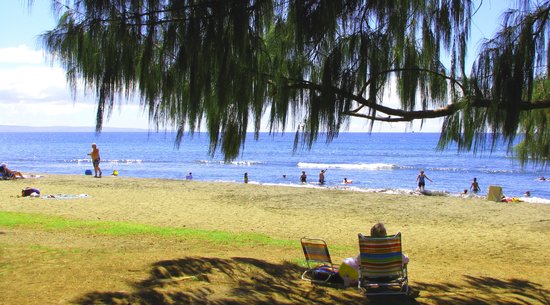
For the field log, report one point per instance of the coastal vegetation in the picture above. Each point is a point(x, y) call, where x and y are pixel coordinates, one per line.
point(312, 65)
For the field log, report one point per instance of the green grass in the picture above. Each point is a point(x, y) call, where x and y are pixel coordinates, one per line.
point(43, 222)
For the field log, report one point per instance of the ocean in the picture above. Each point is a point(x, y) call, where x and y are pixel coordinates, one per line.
point(375, 162)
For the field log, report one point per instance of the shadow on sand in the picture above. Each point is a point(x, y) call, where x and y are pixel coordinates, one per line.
point(485, 290)
point(247, 281)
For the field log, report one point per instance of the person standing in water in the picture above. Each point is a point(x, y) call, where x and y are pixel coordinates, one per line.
point(303, 177)
point(322, 177)
point(475, 186)
point(245, 178)
point(421, 180)
point(95, 160)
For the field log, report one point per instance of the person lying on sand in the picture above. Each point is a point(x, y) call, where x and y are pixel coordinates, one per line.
point(30, 191)
point(9, 174)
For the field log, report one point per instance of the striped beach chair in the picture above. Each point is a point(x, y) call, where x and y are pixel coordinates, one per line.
point(381, 268)
point(319, 264)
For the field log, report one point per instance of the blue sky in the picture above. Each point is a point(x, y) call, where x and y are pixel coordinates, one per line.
point(34, 93)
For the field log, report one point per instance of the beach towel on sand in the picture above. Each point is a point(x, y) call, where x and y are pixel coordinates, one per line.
point(65, 196)
point(33, 176)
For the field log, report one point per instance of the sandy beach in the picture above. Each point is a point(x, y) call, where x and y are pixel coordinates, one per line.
point(462, 250)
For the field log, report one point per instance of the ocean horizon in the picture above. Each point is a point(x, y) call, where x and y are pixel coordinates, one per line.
point(374, 162)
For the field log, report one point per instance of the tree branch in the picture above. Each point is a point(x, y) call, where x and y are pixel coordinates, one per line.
point(452, 79)
point(404, 115)
point(421, 114)
point(377, 118)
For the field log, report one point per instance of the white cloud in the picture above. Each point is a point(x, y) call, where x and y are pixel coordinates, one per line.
point(21, 55)
point(67, 113)
point(35, 94)
point(36, 83)
point(44, 114)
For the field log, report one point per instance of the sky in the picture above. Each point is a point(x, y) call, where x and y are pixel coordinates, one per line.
point(35, 93)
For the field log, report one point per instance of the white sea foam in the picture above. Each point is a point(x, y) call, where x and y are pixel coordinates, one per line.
point(358, 166)
point(125, 161)
point(445, 169)
point(535, 200)
point(235, 163)
point(245, 163)
point(408, 192)
point(359, 189)
point(500, 171)
point(87, 160)
point(298, 185)
point(114, 161)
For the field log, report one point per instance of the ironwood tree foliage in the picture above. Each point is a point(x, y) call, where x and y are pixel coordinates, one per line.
point(310, 63)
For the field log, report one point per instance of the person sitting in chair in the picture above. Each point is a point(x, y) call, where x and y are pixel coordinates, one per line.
point(378, 230)
point(349, 269)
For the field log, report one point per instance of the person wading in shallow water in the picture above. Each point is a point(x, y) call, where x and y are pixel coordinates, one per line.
point(421, 180)
point(475, 186)
point(303, 177)
point(322, 177)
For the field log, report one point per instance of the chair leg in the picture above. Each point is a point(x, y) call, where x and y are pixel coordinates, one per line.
point(304, 277)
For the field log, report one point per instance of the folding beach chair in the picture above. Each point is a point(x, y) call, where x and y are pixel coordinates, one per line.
point(319, 264)
point(381, 268)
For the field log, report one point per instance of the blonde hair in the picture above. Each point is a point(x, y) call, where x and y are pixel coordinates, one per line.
point(378, 230)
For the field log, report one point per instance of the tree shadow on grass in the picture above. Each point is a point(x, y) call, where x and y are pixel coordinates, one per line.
point(246, 281)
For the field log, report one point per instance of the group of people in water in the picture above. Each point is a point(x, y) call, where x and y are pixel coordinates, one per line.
point(420, 179)
point(303, 177)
